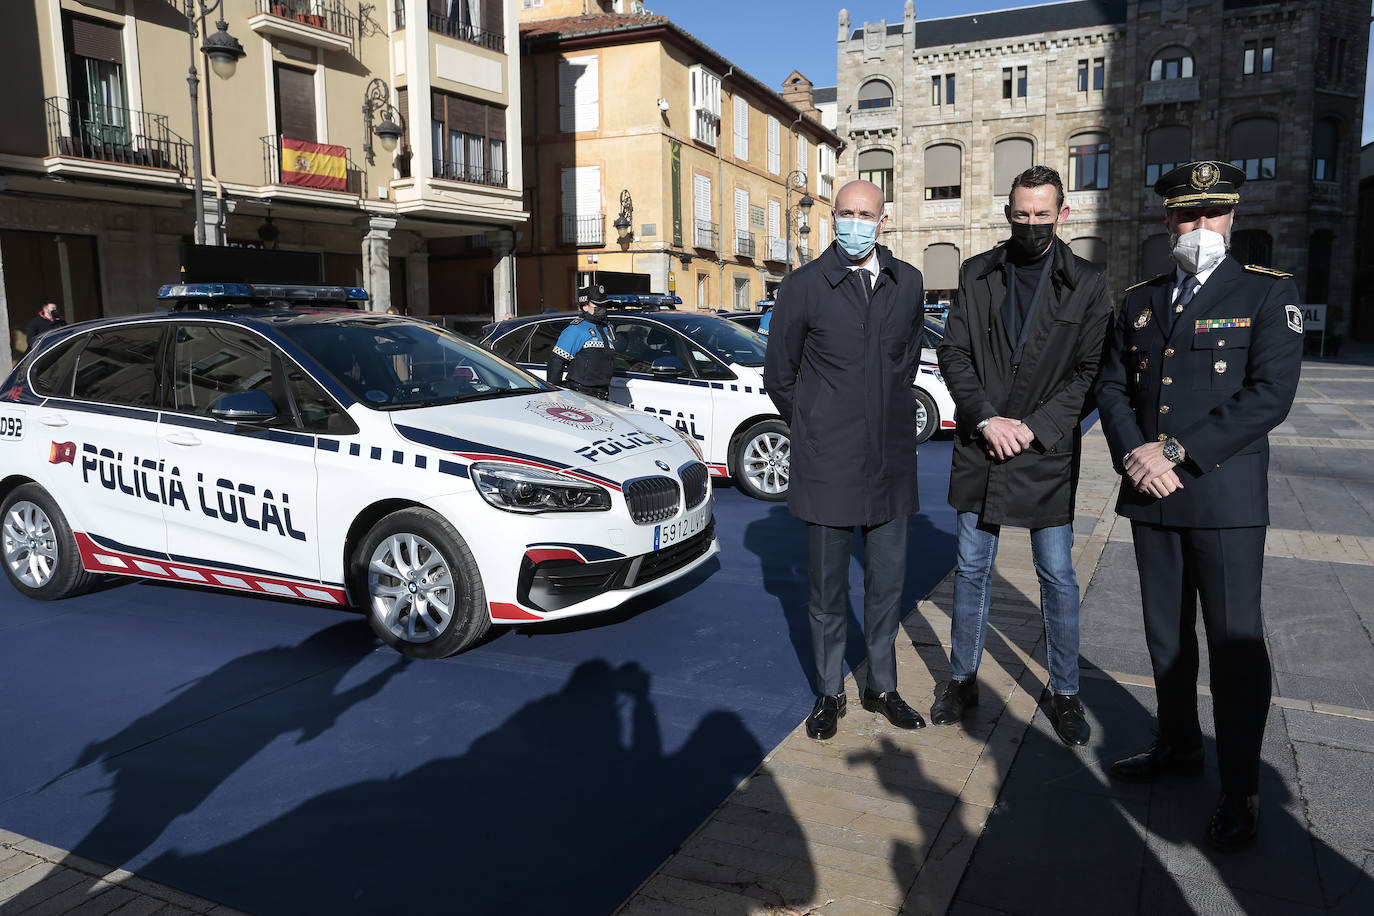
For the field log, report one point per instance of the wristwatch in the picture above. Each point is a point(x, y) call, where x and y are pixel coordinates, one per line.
point(1172, 450)
point(982, 425)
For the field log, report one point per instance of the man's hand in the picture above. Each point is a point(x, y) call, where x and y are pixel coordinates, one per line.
point(1006, 438)
point(1150, 472)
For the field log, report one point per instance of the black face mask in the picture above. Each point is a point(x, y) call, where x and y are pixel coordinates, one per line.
point(1028, 241)
point(598, 314)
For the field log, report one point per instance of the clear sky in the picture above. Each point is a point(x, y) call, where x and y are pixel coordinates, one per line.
point(771, 38)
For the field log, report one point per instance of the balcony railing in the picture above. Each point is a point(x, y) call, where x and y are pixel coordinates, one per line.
point(587, 229)
point(457, 171)
point(453, 27)
point(322, 14)
point(355, 179)
point(706, 236)
point(79, 129)
point(400, 8)
point(777, 250)
point(744, 244)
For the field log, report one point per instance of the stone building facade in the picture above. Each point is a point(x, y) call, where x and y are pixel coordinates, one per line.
point(945, 112)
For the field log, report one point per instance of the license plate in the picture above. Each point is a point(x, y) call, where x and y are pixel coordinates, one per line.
point(669, 534)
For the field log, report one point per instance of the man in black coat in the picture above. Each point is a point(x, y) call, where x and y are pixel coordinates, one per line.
point(844, 347)
point(1202, 362)
point(1022, 345)
point(48, 317)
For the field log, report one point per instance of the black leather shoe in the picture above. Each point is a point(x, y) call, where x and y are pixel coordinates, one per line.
point(891, 704)
point(954, 698)
point(825, 718)
point(1162, 759)
point(1070, 721)
point(1235, 824)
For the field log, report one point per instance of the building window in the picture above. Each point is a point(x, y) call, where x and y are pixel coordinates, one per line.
point(1099, 73)
point(1015, 81)
point(100, 115)
point(803, 160)
point(936, 93)
point(1091, 72)
point(1089, 161)
point(583, 221)
point(940, 272)
point(579, 94)
point(1166, 148)
point(1172, 64)
point(875, 165)
point(1010, 158)
point(1090, 248)
point(942, 89)
point(1318, 266)
point(469, 140)
point(705, 234)
point(741, 129)
point(777, 248)
point(1335, 59)
point(875, 94)
point(944, 169)
point(774, 146)
point(1325, 144)
point(1252, 246)
point(295, 103)
point(826, 154)
point(1259, 55)
point(705, 105)
point(1155, 258)
point(1254, 147)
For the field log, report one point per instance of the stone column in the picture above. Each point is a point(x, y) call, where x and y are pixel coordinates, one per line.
point(417, 271)
point(503, 274)
point(377, 259)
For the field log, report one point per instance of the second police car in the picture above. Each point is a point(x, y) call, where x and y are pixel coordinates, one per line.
point(336, 456)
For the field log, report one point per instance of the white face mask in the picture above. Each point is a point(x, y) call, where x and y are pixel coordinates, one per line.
point(1199, 250)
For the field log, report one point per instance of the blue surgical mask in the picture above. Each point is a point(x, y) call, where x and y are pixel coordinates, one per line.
point(856, 236)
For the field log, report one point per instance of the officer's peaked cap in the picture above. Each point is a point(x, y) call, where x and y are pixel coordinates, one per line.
point(1206, 183)
point(594, 294)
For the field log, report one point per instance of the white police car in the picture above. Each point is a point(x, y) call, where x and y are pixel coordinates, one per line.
point(697, 372)
point(336, 456)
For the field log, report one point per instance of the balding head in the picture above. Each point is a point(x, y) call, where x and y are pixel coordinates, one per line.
point(863, 201)
point(861, 196)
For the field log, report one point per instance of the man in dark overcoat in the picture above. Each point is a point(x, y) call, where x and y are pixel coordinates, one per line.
point(1022, 345)
point(844, 346)
point(1202, 362)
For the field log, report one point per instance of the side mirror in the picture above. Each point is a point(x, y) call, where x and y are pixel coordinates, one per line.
point(244, 407)
point(667, 366)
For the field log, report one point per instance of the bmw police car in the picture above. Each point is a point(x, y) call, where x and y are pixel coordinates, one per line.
point(697, 372)
point(318, 452)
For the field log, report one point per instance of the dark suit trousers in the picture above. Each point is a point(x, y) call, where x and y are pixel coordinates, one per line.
point(1221, 568)
point(828, 552)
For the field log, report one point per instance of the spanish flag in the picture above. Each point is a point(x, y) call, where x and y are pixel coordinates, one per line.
point(314, 165)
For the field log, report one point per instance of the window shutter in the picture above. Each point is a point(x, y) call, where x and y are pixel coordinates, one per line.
point(801, 155)
point(1010, 158)
point(941, 269)
point(741, 129)
point(776, 251)
point(701, 188)
point(774, 146)
point(741, 211)
point(296, 103)
point(942, 167)
point(96, 40)
point(822, 234)
point(578, 94)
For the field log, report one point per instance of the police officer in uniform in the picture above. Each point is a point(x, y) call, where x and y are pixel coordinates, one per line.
point(1202, 363)
point(583, 350)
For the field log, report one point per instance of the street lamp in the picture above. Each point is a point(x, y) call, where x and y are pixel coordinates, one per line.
point(796, 179)
point(224, 52)
point(377, 99)
point(625, 220)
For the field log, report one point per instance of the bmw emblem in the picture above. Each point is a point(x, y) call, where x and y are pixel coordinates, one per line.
point(662, 465)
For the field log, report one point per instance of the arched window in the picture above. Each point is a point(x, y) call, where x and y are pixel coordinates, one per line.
point(1166, 148)
point(875, 165)
point(1171, 64)
point(1010, 158)
point(1089, 162)
point(944, 167)
point(1325, 144)
point(1255, 147)
point(1252, 246)
point(1154, 256)
point(1090, 248)
point(940, 271)
point(875, 94)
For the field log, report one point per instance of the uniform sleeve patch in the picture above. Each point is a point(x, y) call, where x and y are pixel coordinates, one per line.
point(1294, 315)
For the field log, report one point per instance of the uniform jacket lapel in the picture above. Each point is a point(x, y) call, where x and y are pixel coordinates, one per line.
point(1212, 294)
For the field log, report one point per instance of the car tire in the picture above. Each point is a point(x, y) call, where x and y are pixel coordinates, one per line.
point(927, 415)
point(419, 585)
point(760, 462)
point(39, 551)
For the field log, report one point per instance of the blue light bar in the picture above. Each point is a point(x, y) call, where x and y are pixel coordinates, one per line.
point(644, 299)
point(239, 292)
point(204, 291)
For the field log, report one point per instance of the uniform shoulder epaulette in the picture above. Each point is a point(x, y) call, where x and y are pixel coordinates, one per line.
point(1145, 282)
point(1267, 271)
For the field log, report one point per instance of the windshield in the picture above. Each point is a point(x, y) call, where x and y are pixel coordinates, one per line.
point(728, 340)
point(396, 364)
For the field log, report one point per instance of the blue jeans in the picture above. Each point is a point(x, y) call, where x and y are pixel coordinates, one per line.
point(1052, 550)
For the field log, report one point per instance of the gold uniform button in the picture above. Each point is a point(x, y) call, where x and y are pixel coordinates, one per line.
point(1164, 408)
point(1162, 436)
point(1166, 380)
point(1134, 348)
point(1221, 343)
point(1169, 351)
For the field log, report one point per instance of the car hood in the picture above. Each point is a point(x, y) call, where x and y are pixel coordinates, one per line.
point(554, 429)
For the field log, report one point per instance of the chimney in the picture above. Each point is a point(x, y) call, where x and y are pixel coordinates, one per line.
point(797, 92)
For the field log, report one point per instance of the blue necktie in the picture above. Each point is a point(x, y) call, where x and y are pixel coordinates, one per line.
point(1190, 288)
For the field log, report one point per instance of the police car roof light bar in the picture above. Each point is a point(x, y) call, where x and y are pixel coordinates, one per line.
point(239, 293)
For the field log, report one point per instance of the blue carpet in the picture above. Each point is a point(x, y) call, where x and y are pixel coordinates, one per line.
point(275, 758)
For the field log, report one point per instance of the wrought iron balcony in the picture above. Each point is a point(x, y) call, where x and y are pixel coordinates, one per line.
point(457, 171)
point(81, 130)
point(706, 236)
point(454, 27)
point(322, 14)
point(355, 179)
point(744, 244)
point(584, 229)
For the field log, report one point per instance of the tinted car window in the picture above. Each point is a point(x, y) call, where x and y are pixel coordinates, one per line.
point(639, 343)
point(726, 339)
point(52, 376)
point(316, 409)
point(512, 346)
point(542, 340)
point(118, 366)
point(213, 360)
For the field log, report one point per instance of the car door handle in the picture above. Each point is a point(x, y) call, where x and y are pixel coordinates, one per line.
point(183, 439)
point(51, 420)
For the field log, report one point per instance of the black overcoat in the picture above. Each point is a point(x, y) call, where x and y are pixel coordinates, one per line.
point(1222, 378)
point(1059, 361)
point(839, 368)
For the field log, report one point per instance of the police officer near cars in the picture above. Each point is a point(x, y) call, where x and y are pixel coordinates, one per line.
point(584, 350)
point(1202, 363)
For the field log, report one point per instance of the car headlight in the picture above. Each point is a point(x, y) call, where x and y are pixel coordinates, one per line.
point(521, 489)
